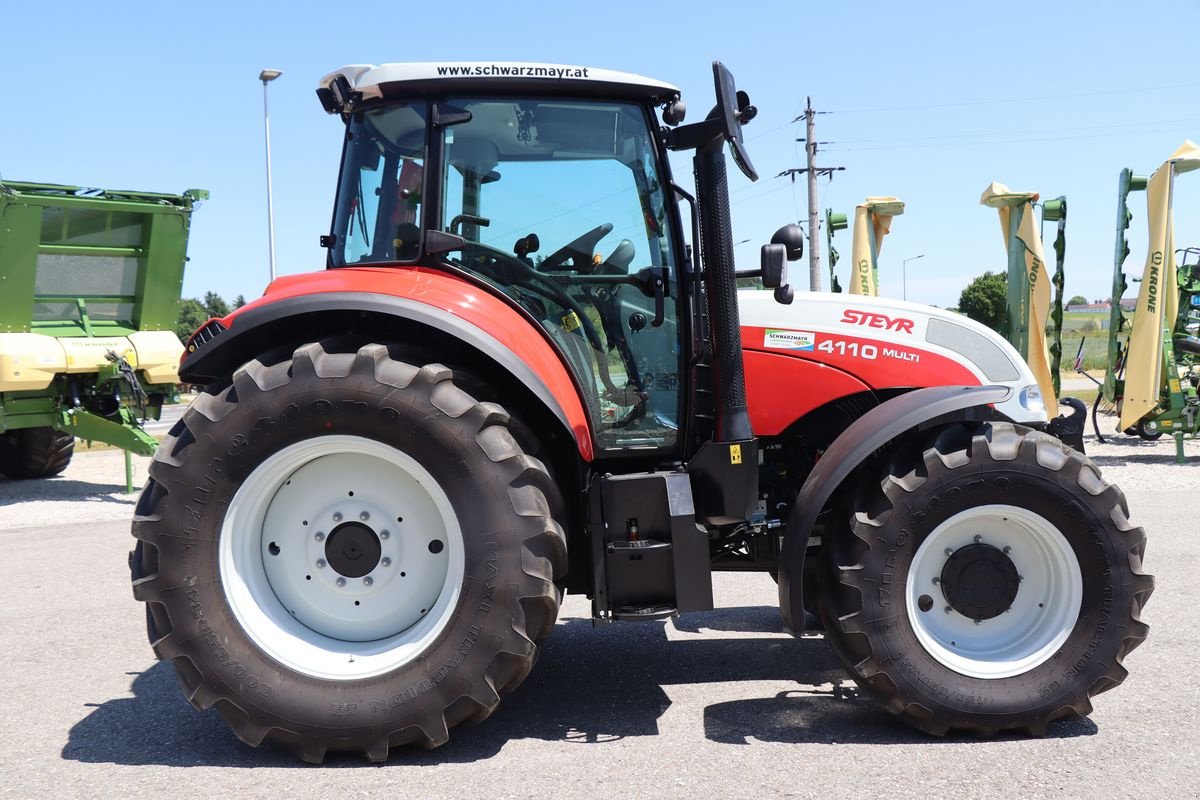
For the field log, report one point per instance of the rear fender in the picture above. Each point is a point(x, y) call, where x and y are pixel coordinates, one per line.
point(490, 329)
point(867, 434)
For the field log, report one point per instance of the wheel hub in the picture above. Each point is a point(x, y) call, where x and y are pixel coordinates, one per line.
point(353, 550)
point(979, 581)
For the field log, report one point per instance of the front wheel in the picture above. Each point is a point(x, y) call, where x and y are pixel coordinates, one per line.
point(343, 551)
point(994, 584)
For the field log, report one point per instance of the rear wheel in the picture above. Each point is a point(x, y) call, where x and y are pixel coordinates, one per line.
point(995, 584)
point(346, 552)
point(35, 452)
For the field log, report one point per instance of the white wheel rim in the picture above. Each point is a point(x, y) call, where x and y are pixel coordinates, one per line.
point(1042, 614)
point(286, 594)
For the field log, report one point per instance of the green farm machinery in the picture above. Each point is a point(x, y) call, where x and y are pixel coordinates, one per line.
point(1033, 318)
point(1153, 374)
point(91, 283)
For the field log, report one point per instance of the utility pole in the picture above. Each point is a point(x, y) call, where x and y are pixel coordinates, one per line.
point(813, 171)
point(266, 76)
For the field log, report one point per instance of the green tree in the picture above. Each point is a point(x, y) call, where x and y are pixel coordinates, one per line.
point(192, 314)
point(985, 298)
point(215, 305)
point(1078, 300)
point(239, 301)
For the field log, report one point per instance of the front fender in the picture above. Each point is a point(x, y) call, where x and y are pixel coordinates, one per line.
point(867, 434)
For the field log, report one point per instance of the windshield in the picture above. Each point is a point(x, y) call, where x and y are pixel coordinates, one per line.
point(563, 208)
point(378, 213)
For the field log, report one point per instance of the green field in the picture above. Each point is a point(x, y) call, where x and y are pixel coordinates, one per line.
point(1095, 349)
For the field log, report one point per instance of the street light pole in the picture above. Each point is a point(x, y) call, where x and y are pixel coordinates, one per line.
point(904, 273)
point(266, 76)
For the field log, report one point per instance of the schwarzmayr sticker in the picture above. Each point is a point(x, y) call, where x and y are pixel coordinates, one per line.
point(789, 340)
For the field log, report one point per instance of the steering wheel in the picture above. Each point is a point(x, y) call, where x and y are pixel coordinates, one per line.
point(579, 250)
point(527, 276)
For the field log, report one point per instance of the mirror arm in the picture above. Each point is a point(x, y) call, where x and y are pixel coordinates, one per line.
point(706, 135)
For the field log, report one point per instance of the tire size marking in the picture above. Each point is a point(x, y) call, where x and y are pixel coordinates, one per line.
point(489, 584)
point(456, 659)
point(222, 655)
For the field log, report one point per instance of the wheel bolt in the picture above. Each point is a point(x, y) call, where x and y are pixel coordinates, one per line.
point(949, 551)
point(337, 516)
point(1020, 578)
point(936, 581)
point(367, 581)
point(387, 562)
point(319, 536)
point(341, 582)
point(384, 534)
point(1007, 550)
point(947, 609)
point(364, 516)
point(978, 538)
point(976, 622)
point(320, 563)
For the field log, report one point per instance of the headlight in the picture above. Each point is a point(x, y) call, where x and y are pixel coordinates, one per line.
point(1031, 399)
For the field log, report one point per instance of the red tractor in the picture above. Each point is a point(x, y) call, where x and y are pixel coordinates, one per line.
point(357, 536)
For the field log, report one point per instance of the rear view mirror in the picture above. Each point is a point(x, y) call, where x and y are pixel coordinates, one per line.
point(734, 109)
point(774, 265)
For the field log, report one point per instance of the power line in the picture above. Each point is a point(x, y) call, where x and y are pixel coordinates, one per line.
point(1042, 98)
point(1012, 141)
point(1017, 133)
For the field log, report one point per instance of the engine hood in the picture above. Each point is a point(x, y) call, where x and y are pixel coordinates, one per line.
point(888, 344)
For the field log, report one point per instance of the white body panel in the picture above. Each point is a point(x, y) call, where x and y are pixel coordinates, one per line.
point(908, 326)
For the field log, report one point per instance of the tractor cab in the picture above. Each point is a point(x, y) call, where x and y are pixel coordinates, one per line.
point(554, 191)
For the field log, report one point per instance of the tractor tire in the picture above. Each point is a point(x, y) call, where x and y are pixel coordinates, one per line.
point(346, 552)
point(35, 453)
point(993, 584)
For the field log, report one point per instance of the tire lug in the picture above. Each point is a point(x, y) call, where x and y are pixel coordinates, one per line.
point(949, 551)
point(319, 536)
point(977, 622)
point(978, 538)
point(340, 582)
point(337, 516)
point(947, 609)
point(1007, 550)
point(936, 581)
point(384, 534)
point(320, 563)
point(367, 581)
point(387, 562)
point(364, 516)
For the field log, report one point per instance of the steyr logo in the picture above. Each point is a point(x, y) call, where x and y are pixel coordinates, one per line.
point(872, 320)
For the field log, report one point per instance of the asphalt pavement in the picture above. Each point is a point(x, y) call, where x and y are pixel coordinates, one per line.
point(717, 704)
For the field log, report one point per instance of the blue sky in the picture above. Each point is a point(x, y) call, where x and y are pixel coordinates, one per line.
point(932, 101)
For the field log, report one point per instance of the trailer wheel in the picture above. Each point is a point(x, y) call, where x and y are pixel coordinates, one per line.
point(35, 453)
point(1143, 429)
point(995, 584)
point(8, 454)
point(343, 551)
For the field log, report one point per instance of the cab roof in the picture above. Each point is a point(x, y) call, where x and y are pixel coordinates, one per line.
point(467, 77)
